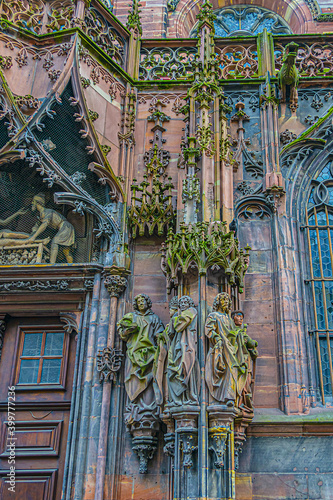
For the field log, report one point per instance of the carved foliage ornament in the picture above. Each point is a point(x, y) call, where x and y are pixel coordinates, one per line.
point(34, 286)
point(115, 284)
point(167, 63)
point(38, 16)
point(109, 363)
point(151, 206)
point(204, 245)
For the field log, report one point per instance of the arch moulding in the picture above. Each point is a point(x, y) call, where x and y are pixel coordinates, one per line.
point(295, 12)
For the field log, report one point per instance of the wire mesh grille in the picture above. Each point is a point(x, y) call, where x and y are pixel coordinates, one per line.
point(61, 137)
point(26, 207)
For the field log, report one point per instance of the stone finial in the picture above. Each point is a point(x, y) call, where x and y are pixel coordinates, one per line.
point(133, 20)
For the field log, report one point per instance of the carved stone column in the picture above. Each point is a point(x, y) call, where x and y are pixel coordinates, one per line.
point(242, 422)
point(221, 443)
point(108, 363)
point(186, 457)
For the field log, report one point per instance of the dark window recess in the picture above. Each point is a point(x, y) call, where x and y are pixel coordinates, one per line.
point(319, 232)
point(41, 357)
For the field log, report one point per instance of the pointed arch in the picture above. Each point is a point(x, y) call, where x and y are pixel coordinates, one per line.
point(296, 14)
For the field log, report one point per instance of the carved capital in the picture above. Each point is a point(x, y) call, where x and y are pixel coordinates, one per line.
point(188, 444)
point(144, 447)
point(108, 363)
point(218, 443)
point(115, 284)
point(69, 320)
point(169, 444)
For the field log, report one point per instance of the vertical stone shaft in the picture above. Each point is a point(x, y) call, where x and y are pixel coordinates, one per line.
point(203, 419)
point(115, 285)
point(82, 437)
point(75, 403)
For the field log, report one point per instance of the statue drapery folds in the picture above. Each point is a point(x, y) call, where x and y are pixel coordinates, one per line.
point(182, 368)
point(47, 218)
point(140, 330)
point(228, 362)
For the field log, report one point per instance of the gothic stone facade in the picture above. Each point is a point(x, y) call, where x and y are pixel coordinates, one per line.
point(166, 250)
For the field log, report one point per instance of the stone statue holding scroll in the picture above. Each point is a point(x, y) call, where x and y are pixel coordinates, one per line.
point(141, 330)
point(247, 354)
point(221, 363)
point(160, 364)
point(183, 368)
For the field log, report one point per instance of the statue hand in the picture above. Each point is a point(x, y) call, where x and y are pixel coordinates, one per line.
point(162, 338)
point(219, 344)
point(22, 211)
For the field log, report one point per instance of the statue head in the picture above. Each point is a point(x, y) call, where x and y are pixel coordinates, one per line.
point(222, 302)
point(185, 302)
point(173, 306)
point(142, 303)
point(38, 200)
point(238, 317)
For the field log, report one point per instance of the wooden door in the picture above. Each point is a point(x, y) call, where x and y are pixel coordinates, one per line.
point(36, 368)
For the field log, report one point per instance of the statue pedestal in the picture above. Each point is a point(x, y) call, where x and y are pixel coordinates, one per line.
point(221, 419)
point(185, 445)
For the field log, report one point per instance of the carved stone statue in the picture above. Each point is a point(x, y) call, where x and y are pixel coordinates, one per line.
point(9, 237)
point(247, 354)
point(221, 362)
point(183, 369)
point(48, 217)
point(140, 330)
point(161, 389)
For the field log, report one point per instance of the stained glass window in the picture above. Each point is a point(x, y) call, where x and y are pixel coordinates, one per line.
point(319, 228)
point(243, 20)
point(41, 357)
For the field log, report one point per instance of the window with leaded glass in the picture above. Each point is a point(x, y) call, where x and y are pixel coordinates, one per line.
point(319, 227)
point(41, 359)
point(245, 20)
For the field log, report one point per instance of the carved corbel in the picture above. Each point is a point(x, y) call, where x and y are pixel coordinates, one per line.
point(169, 436)
point(109, 363)
point(218, 443)
point(144, 447)
point(188, 446)
point(220, 418)
point(70, 322)
point(242, 422)
point(115, 284)
point(273, 189)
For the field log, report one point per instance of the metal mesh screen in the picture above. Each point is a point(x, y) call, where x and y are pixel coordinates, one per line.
point(26, 207)
point(61, 136)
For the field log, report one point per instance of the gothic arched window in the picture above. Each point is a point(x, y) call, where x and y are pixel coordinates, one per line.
point(320, 240)
point(243, 20)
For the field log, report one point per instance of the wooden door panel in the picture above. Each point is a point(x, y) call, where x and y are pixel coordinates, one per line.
point(30, 485)
point(41, 417)
point(34, 438)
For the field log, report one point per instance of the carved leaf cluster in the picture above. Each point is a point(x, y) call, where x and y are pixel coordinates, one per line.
point(204, 245)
